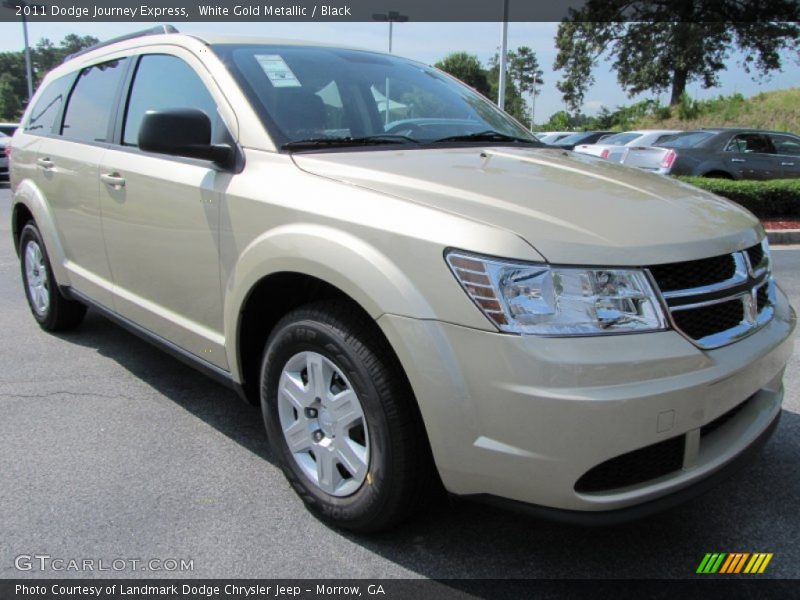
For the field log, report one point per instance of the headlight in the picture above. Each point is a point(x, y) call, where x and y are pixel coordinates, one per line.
point(558, 301)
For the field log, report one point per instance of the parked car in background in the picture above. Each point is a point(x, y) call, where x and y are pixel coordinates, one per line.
point(5, 147)
point(723, 153)
point(8, 128)
point(582, 137)
point(613, 147)
point(551, 137)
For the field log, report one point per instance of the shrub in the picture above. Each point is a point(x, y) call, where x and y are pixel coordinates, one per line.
point(766, 199)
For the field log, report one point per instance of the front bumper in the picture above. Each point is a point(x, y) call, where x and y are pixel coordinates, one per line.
point(524, 418)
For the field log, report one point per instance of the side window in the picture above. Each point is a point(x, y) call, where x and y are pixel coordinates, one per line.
point(48, 106)
point(164, 82)
point(91, 103)
point(785, 144)
point(750, 143)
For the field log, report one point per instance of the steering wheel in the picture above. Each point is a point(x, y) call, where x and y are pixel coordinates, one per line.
point(403, 129)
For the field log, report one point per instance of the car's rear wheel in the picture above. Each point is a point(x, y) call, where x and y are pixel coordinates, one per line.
point(342, 418)
point(50, 308)
point(718, 175)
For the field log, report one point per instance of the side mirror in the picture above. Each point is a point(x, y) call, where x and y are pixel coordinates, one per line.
point(182, 132)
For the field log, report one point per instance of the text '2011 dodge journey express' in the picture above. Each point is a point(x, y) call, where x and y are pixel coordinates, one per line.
point(413, 288)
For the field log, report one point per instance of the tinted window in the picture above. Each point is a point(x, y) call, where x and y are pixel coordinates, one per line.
point(164, 82)
point(91, 103)
point(48, 106)
point(786, 144)
point(750, 143)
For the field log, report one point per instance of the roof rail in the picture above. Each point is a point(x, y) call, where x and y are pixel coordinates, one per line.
point(159, 30)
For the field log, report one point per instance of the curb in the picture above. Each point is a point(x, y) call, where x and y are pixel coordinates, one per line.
point(783, 236)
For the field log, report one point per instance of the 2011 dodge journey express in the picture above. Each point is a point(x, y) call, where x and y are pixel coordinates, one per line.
point(413, 288)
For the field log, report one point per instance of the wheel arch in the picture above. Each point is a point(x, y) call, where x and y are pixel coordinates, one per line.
point(28, 203)
point(295, 265)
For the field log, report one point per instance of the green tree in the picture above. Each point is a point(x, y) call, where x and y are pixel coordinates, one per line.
point(524, 70)
point(660, 46)
point(515, 103)
point(44, 57)
point(10, 105)
point(467, 68)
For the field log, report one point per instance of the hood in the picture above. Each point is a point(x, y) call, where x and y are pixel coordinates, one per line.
point(572, 209)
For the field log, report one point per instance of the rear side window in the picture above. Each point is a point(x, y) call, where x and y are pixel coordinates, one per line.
point(750, 143)
point(786, 144)
point(92, 102)
point(166, 82)
point(48, 106)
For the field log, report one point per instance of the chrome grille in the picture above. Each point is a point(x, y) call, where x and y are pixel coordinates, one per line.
point(718, 300)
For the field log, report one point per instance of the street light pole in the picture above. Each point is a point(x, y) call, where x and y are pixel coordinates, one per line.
point(392, 17)
point(28, 67)
point(501, 95)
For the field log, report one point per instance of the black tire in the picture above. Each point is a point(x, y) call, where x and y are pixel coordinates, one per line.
point(61, 314)
point(718, 175)
point(400, 477)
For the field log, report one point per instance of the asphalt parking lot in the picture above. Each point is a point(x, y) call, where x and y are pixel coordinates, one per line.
point(111, 449)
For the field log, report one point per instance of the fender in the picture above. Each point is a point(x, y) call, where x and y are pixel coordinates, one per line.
point(349, 263)
point(28, 194)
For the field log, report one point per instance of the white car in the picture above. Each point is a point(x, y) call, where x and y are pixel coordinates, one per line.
point(613, 147)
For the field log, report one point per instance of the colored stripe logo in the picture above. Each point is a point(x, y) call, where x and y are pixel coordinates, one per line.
point(733, 563)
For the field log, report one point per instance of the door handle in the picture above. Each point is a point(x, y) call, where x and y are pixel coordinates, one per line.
point(787, 164)
point(113, 179)
point(45, 163)
point(737, 160)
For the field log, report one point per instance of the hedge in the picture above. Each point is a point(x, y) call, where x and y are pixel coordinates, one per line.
point(775, 198)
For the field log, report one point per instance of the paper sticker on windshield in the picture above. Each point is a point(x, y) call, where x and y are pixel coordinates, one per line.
point(276, 69)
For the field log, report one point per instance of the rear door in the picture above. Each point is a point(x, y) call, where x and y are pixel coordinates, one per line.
point(161, 214)
point(787, 149)
point(752, 156)
point(68, 164)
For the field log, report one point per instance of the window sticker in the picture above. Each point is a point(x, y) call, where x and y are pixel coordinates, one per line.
point(276, 69)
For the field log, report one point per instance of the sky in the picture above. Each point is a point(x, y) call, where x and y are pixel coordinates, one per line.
point(429, 42)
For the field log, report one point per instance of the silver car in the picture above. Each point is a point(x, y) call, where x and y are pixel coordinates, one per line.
point(5, 147)
point(613, 147)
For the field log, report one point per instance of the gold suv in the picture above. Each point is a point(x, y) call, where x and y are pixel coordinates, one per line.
point(415, 290)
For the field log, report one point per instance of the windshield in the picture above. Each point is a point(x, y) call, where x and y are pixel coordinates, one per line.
point(685, 140)
point(316, 93)
point(621, 139)
point(575, 138)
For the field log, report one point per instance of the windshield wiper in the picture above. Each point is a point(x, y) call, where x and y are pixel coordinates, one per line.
point(329, 142)
point(486, 136)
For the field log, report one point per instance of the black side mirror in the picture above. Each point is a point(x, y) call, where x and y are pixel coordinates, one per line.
point(182, 132)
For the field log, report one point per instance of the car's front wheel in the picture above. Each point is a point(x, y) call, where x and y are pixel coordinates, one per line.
point(342, 418)
point(50, 308)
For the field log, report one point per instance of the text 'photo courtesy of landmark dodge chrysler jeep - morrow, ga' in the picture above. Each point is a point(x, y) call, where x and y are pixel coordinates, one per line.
point(418, 293)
